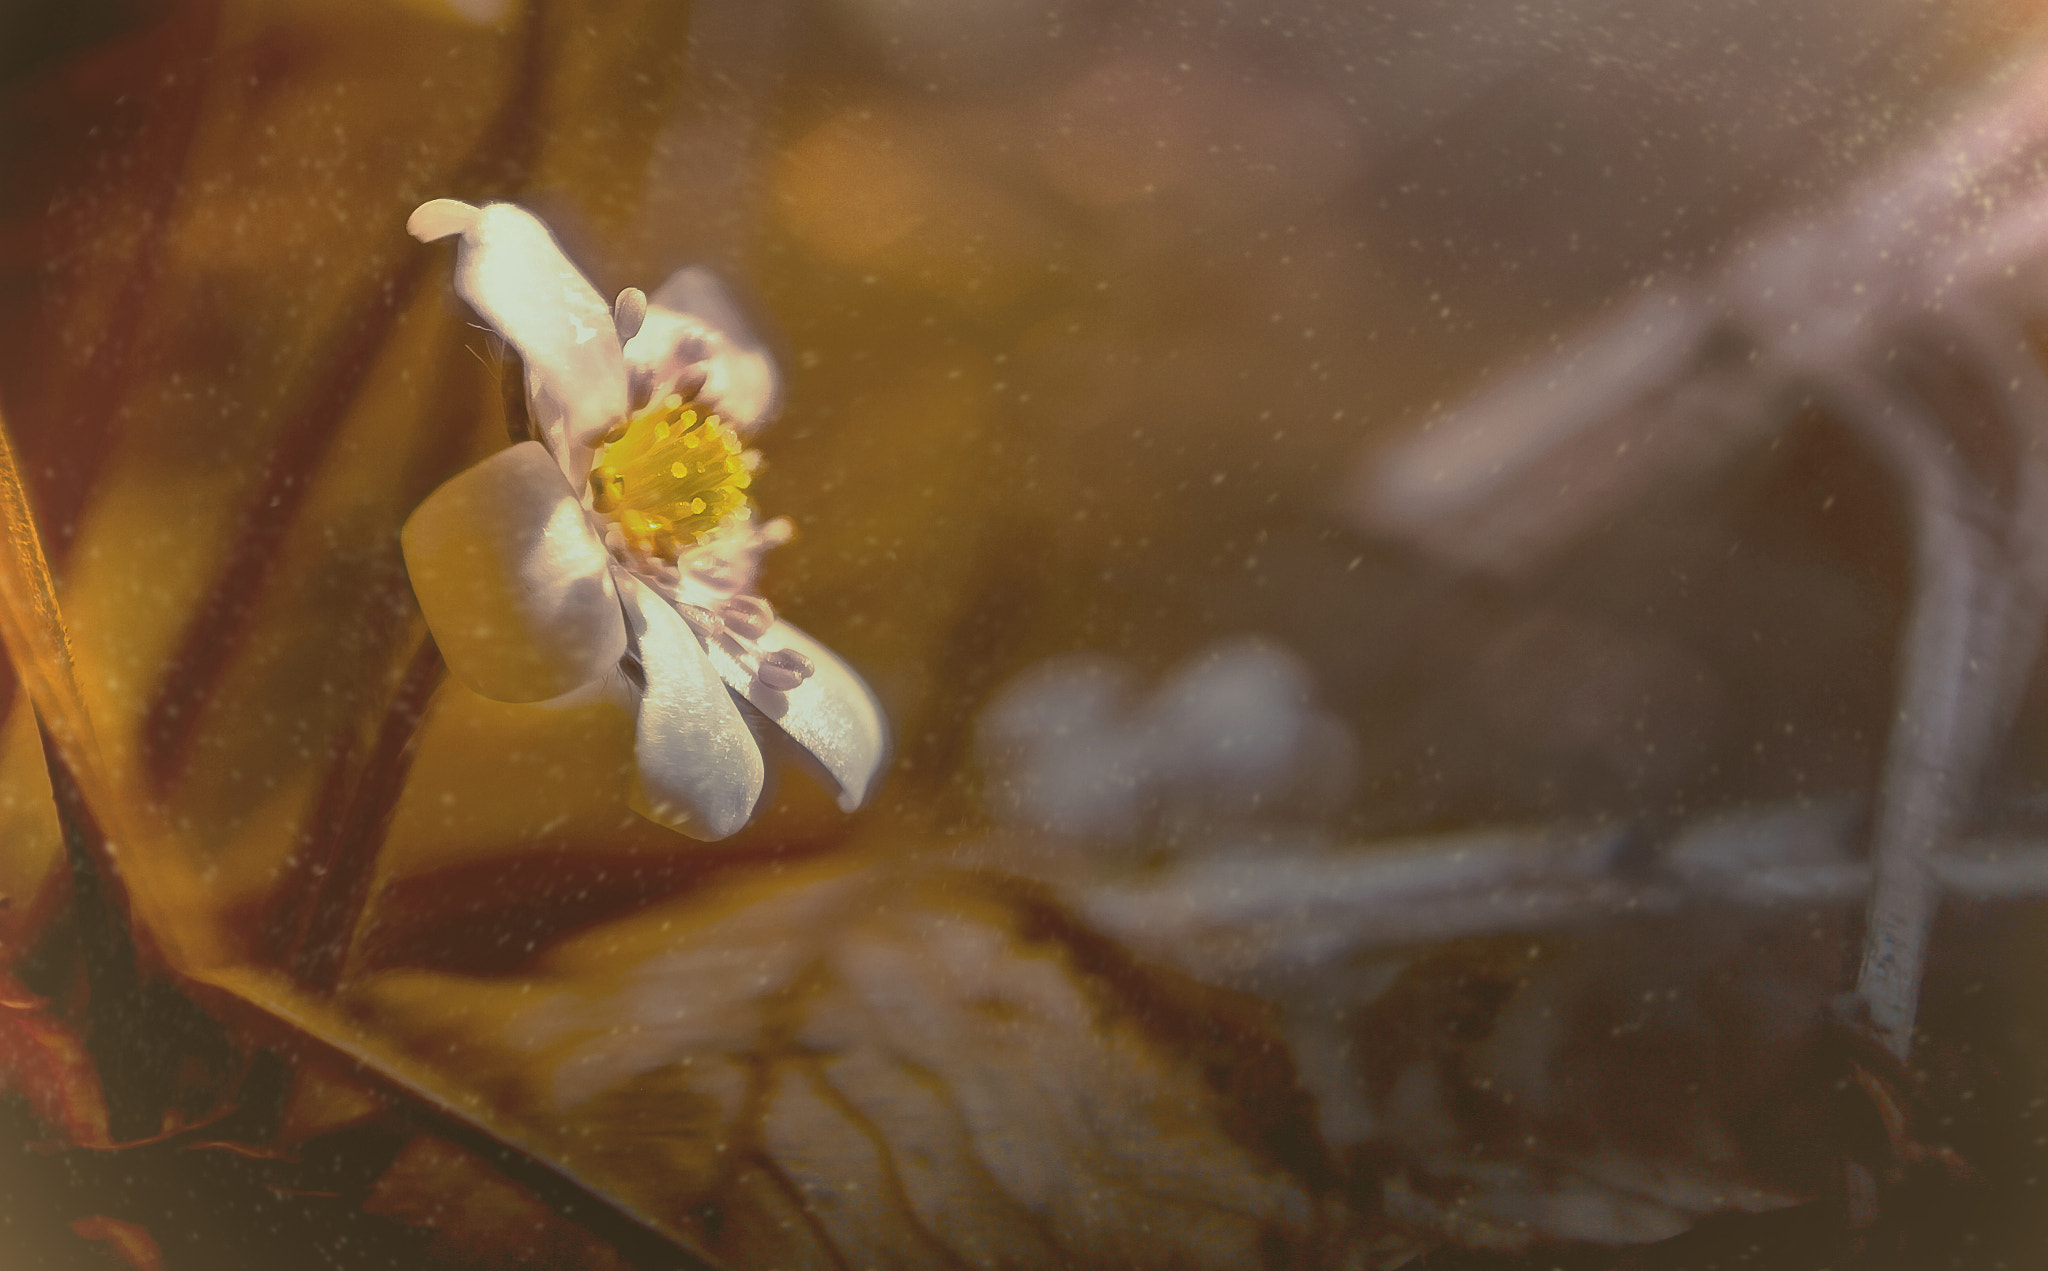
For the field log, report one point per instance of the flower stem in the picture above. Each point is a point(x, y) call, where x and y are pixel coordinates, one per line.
point(338, 863)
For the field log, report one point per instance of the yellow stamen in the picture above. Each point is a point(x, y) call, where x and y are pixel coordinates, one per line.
point(663, 484)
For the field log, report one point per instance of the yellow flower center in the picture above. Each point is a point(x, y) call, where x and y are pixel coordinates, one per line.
point(671, 474)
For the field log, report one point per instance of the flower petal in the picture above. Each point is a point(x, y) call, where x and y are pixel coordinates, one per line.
point(693, 328)
point(832, 714)
point(700, 768)
point(512, 272)
point(516, 588)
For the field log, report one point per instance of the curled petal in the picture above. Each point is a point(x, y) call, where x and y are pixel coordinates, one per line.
point(516, 589)
point(512, 272)
point(692, 328)
point(700, 770)
point(831, 713)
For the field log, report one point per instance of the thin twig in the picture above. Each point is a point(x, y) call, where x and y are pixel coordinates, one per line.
point(1261, 914)
point(342, 858)
point(1946, 705)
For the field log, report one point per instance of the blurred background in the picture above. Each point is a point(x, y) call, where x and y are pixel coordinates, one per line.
point(1381, 530)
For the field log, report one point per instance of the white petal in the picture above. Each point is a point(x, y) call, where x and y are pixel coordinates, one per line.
point(515, 587)
point(512, 272)
point(693, 327)
point(832, 714)
point(700, 768)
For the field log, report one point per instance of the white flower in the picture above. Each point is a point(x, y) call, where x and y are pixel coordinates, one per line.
point(620, 556)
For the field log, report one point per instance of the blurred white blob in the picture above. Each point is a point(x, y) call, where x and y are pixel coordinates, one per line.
point(1231, 738)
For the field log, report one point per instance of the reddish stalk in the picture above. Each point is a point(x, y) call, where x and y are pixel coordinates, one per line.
point(338, 864)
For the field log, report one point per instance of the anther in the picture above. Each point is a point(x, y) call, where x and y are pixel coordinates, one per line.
point(671, 476)
point(629, 312)
point(748, 615)
point(783, 670)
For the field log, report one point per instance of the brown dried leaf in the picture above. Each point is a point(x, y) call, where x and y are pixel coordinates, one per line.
point(30, 625)
point(1503, 1045)
point(864, 1064)
point(30, 841)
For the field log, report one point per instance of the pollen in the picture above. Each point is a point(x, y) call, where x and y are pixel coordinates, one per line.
point(670, 475)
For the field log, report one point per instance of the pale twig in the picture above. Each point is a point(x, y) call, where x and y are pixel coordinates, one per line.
point(1945, 242)
point(1945, 705)
point(1256, 914)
